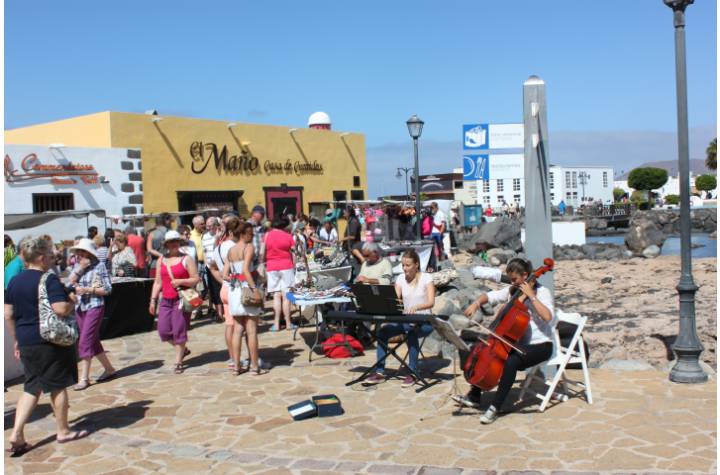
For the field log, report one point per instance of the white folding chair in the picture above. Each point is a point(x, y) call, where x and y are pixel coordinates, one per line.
point(562, 356)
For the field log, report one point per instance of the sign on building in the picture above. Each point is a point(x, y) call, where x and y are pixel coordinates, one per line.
point(475, 167)
point(493, 136)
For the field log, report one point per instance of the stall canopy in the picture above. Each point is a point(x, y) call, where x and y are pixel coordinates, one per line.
point(30, 220)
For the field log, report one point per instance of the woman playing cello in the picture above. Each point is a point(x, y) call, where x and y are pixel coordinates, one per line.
point(536, 343)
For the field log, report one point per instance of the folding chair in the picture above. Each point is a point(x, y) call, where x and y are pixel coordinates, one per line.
point(562, 356)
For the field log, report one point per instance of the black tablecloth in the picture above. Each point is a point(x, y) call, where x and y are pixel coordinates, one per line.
point(126, 309)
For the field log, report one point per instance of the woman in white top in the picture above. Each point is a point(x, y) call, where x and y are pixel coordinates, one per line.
point(417, 292)
point(239, 270)
point(230, 236)
point(536, 342)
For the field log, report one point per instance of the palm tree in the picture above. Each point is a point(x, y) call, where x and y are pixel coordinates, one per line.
point(711, 152)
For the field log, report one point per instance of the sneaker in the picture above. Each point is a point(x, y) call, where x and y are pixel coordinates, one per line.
point(466, 401)
point(376, 378)
point(490, 415)
point(408, 381)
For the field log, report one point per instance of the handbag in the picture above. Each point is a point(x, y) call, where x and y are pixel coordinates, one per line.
point(190, 297)
point(53, 329)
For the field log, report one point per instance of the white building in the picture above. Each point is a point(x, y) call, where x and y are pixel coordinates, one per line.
point(575, 185)
point(580, 185)
point(672, 187)
point(39, 178)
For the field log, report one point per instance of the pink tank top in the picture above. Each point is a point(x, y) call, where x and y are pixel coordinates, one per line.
point(179, 272)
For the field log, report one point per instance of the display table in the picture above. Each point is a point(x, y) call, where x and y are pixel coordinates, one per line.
point(126, 308)
point(317, 313)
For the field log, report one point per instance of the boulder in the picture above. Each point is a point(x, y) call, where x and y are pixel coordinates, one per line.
point(627, 365)
point(643, 232)
point(503, 233)
point(714, 234)
point(651, 251)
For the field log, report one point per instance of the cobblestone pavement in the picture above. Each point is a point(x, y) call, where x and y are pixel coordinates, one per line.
point(208, 421)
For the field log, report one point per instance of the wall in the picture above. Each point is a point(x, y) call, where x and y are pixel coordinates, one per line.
point(111, 196)
point(564, 233)
point(85, 131)
point(168, 164)
point(593, 187)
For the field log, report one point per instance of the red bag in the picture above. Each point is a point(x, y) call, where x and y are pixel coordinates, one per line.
point(333, 347)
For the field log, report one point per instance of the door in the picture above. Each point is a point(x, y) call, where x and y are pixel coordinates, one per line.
point(283, 200)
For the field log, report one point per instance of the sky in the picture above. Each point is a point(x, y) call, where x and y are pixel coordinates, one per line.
point(609, 67)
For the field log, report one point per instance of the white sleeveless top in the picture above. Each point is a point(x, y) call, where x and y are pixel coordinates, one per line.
point(414, 295)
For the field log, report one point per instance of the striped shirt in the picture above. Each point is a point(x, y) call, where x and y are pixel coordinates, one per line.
point(94, 276)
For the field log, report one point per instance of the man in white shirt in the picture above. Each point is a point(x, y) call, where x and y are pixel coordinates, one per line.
point(439, 228)
point(212, 226)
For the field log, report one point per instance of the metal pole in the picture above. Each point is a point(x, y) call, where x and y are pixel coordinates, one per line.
point(417, 192)
point(687, 346)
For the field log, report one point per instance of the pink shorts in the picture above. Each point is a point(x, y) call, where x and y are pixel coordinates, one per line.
point(229, 320)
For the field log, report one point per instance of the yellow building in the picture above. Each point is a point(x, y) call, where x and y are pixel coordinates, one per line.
point(196, 163)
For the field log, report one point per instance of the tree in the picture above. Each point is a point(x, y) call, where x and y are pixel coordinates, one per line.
point(705, 183)
point(672, 199)
point(647, 179)
point(711, 155)
point(618, 193)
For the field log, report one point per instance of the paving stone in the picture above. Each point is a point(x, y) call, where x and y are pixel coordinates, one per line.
point(187, 451)
point(246, 458)
point(426, 470)
point(311, 464)
point(278, 461)
point(349, 466)
point(392, 469)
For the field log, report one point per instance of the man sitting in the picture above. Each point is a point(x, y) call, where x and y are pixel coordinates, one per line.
point(375, 269)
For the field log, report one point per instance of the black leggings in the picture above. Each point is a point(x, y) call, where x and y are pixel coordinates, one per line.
point(534, 354)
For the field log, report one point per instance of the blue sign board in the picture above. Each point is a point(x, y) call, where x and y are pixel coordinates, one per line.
point(475, 137)
point(476, 167)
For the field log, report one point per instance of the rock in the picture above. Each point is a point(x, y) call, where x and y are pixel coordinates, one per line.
point(495, 261)
point(445, 305)
point(606, 280)
point(503, 233)
point(459, 322)
point(643, 233)
point(714, 234)
point(627, 365)
point(651, 251)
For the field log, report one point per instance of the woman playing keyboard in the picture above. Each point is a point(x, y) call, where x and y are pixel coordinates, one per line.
point(417, 292)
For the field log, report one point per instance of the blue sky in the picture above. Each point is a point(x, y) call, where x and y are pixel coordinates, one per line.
point(609, 67)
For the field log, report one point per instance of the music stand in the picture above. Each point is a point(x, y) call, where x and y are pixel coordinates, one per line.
point(377, 299)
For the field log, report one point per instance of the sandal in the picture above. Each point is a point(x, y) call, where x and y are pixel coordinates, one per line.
point(257, 371)
point(81, 385)
point(274, 328)
point(105, 376)
point(179, 368)
point(18, 450)
point(81, 434)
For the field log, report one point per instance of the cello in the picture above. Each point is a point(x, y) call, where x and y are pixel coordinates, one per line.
point(484, 366)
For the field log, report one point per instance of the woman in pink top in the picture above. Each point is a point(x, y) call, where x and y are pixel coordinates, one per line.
point(280, 269)
point(176, 271)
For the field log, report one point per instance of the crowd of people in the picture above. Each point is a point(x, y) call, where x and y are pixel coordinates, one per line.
point(228, 261)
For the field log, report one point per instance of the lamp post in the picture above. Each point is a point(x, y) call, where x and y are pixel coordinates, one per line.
point(399, 175)
point(687, 346)
point(415, 126)
point(584, 177)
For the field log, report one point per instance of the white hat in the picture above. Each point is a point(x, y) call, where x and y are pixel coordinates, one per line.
point(86, 245)
point(173, 235)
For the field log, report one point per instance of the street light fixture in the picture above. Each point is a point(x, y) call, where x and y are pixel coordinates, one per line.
point(399, 175)
point(687, 345)
point(415, 126)
point(584, 178)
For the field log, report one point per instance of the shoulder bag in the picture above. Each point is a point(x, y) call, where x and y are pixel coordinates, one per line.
point(190, 297)
point(54, 329)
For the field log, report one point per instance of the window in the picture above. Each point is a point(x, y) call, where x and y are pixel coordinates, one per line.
point(516, 184)
point(357, 195)
point(459, 184)
point(356, 181)
point(574, 197)
point(339, 195)
point(568, 198)
point(501, 198)
point(574, 179)
point(552, 180)
point(552, 196)
point(52, 202)
point(486, 199)
point(567, 180)
point(605, 180)
point(500, 185)
point(516, 199)
point(486, 187)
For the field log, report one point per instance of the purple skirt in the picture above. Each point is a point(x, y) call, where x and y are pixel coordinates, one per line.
point(89, 322)
point(172, 323)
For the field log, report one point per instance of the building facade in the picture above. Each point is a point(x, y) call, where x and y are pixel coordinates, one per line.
point(188, 163)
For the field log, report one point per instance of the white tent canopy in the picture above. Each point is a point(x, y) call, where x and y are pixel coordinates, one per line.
point(30, 220)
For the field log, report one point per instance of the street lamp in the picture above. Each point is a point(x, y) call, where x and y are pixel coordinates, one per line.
point(687, 346)
point(584, 178)
point(415, 126)
point(399, 175)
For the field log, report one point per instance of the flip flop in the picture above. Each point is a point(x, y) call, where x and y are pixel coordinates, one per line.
point(187, 352)
point(179, 369)
point(19, 450)
point(81, 385)
point(81, 434)
point(256, 371)
point(274, 328)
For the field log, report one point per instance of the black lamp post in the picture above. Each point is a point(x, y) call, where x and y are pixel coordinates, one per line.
point(399, 175)
point(415, 126)
point(687, 346)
